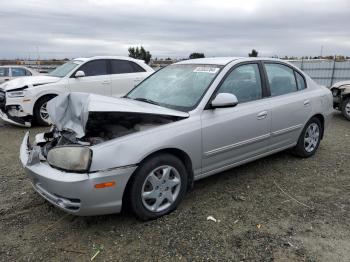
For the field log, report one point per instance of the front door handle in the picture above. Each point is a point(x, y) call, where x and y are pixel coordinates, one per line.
point(7, 79)
point(307, 102)
point(262, 115)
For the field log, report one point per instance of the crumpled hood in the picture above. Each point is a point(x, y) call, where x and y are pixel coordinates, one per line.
point(28, 81)
point(70, 111)
point(341, 83)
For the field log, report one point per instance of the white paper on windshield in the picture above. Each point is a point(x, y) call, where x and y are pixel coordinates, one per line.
point(204, 69)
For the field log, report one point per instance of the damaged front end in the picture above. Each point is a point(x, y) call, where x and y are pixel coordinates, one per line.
point(84, 120)
point(59, 163)
point(13, 113)
point(64, 150)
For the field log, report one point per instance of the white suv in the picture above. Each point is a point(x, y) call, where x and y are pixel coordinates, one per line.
point(24, 99)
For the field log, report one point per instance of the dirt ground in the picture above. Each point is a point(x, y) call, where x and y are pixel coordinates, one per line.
point(256, 220)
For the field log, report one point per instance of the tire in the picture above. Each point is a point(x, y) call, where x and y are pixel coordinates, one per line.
point(38, 113)
point(345, 108)
point(306, 148)
point(151, 187)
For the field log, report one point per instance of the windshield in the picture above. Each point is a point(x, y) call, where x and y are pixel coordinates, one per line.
point(64, 69)
point(178, 87)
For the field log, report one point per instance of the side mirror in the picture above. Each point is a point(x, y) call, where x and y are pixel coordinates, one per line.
point(79, 74)
point(224, 100)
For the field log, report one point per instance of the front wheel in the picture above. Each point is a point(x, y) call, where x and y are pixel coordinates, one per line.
point(41, 116)
point(345, 108)
point(158, 186)
point(309, 139)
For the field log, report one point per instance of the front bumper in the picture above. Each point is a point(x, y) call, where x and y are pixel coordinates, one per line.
point(9, 119)
point(72, 192)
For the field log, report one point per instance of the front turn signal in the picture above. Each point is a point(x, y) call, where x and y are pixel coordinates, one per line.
point(106, 184)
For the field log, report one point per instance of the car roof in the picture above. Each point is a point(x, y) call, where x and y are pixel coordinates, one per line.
point(13, 66)
point(85, 59)
point(223, 60)
point(209, 61)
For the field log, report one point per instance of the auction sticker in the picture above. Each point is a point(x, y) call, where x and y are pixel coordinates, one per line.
point(205, 69)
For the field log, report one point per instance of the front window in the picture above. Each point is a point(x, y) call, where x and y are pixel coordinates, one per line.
point(244, 82)
point(16, 72)
point(178, 87)
point(64, 69)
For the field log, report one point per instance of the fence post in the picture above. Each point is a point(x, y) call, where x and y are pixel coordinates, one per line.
point(302, 63)
point(332, 78)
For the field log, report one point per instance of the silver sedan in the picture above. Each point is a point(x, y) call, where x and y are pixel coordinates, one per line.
point(190, 120)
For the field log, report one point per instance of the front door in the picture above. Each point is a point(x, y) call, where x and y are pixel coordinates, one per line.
point(232, 135)
point(96, 79)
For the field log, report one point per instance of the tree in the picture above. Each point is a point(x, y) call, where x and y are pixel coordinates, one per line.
point(196, 55)
point(140, 53)
point(254, 53)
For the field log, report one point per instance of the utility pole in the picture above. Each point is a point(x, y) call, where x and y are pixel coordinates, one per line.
point(321, 51)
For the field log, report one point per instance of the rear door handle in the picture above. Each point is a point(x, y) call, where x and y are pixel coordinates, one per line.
point(262, 115)
point(7, 79)
point(306, 102)
point(106, 82)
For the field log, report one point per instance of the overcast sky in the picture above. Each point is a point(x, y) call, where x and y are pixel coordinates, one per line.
point(59, 29)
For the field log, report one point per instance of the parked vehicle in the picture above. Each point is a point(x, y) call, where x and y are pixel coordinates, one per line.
point(185, 122)
point(24, 99)
point(10, 72)
point(341, 97)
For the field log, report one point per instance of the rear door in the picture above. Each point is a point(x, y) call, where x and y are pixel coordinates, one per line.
point(96, 80)
point(290, 105)
point(234, 134)
point(125, 75)
point(4, 74)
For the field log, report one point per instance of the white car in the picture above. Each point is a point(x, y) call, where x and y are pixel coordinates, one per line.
point(10, 72)
point(24, 99)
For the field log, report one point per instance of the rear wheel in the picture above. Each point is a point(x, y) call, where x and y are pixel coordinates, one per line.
point(158, 186)
point(309, 139)
point(345, 108)
point(41, 116)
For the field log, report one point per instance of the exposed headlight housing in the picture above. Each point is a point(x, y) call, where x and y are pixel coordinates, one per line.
point(18, 92)
point(14, 94)
point(70, 158)
point(335, 92)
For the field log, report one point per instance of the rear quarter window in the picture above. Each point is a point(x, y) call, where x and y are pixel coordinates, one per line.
point(300, 81)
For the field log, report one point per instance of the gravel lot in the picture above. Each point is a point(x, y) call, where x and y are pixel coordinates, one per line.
point(258, 222)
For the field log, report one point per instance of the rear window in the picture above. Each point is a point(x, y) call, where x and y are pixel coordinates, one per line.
point(125, 67)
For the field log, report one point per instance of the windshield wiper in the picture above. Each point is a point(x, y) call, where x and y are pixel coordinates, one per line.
point(146, 100)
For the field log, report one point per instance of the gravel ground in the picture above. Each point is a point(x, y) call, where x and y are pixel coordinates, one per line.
point(256, 221)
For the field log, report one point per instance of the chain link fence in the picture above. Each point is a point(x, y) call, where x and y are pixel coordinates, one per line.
point(325, 72)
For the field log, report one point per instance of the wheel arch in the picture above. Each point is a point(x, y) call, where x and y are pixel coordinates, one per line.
point(320, 117)
point(49, 94)
point(182, 155)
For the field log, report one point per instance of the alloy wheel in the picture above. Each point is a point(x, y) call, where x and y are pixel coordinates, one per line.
point(161, 188)
point(311, 138)
point(347, 108)
point(43, 113)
